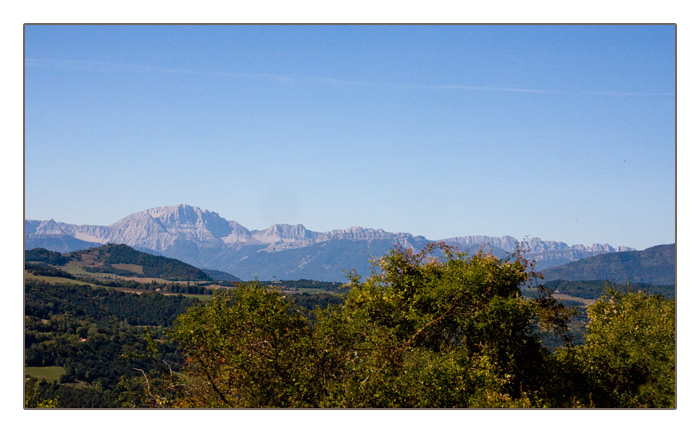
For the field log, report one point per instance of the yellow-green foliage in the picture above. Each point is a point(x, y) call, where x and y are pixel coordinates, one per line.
point(630, 348)
point(32, 399)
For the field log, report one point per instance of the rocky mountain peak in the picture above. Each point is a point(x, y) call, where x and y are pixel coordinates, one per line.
point(182, 214)
point(190, 221)
point(50, 227)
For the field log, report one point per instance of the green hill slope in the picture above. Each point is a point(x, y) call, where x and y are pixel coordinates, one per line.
point(655, 265)
point(121, 260)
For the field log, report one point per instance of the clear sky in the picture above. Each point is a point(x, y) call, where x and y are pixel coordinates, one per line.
point(562, 132)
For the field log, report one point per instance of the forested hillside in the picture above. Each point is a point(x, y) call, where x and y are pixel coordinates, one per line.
point(96, 337)
point(108, 256)
point(112, 258)
point(655, 265)
point(43, 255)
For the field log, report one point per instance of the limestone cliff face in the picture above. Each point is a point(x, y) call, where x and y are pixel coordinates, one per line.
point(285, 236)
point(206, 240)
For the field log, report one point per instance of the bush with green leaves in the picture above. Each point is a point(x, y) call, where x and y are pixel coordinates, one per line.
point(245, 347)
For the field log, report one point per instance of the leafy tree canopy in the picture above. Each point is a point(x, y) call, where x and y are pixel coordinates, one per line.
point(429, 329)
point(629, 355)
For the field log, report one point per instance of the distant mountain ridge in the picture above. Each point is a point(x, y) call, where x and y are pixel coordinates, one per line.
point(204, 239)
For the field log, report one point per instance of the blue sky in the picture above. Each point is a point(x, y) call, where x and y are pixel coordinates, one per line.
point(561, 132)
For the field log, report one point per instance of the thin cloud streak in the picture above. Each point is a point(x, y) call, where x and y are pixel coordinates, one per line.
point(291, 79)
point(627, 93)
point(475, 88)
point(525, 90)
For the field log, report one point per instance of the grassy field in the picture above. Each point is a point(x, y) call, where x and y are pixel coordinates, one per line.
point(137, 269)
point(51, 374)
point(75, 269)
point(309, 290)
point(532, 293)
point(203, 298)
point(60, 280)
point(563, 297)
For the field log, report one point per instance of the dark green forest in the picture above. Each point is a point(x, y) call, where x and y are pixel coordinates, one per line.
point(435, 328)
point(45, 256)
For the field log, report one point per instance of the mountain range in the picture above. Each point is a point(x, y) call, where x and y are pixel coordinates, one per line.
point(204, 239)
